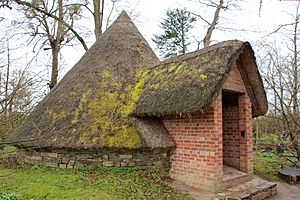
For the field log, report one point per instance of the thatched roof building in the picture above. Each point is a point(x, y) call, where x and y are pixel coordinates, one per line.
point(120, 77)
point(90, 106)
point(120, 106)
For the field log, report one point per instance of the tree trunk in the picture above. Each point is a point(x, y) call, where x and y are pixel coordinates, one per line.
point(6, 100)
point(55, 46)
point(295, 70)
point(207, 38)
point(183, 40)
point(275, 103)
point(54, 68)
point(98, 17)
point(10, 106)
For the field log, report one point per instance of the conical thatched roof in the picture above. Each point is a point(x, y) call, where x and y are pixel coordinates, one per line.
point(120, 77)
point(89, 107)
point(190, 82)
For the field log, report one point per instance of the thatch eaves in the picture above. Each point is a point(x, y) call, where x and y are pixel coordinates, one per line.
point(189, 83)
point(90, 106)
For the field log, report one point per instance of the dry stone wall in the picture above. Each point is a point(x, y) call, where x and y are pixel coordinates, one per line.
point(144, 159)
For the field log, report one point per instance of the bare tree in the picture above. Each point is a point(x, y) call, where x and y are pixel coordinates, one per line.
point(290, 31)
point(15, 88)
point(280, 70)
point(8, 4)
point(295, 68)
point(98, 17)
point(277, 72)
point(51, 26)
point(51, 23)
point(6, 81)
point(218, 6)
point(212, 25)
point(97, 12)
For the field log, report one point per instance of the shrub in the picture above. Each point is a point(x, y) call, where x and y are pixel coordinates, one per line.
point(8, 124)
point(10, 196)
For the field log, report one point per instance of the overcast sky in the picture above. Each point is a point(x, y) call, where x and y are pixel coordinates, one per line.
point(243, 23)
point(245, 17)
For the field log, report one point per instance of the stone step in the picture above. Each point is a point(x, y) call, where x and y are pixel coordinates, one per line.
point(236, 181)
point(255, 189)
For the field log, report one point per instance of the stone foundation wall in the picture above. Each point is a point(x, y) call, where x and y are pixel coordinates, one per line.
point(144, 159)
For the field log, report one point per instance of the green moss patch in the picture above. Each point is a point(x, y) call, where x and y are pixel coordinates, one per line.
point(56, 116)
point(105, 114)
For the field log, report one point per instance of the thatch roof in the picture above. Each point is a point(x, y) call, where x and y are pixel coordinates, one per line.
point(90, 106)
point(189, 83)
point(114, 96)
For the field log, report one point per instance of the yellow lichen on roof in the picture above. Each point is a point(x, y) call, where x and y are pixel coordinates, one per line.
point(107, 116)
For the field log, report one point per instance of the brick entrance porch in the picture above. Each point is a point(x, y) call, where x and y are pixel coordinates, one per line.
point(209, 141)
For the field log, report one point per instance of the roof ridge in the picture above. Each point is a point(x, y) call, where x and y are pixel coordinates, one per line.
point(195, 53)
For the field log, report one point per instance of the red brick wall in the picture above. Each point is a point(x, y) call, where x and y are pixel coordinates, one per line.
point(231, 136)
point(234, 82)
point(197, 159)
point(246, 142)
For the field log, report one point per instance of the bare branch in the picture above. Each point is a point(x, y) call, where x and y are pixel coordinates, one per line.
point(207, 38)
point(79, 38)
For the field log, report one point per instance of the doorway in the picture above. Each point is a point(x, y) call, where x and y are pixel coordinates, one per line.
point(231, 131)
point(232, 136)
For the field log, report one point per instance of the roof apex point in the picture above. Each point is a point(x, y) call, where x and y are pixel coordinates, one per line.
point(123, 16)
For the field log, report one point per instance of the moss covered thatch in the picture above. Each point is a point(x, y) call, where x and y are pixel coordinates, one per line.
point(190, 82)
point(90, 106)
point(94, 104)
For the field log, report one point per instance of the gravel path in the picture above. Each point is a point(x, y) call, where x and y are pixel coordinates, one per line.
point(287, 192)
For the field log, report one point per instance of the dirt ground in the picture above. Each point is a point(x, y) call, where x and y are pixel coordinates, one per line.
point(195, 194)
point(287, 192)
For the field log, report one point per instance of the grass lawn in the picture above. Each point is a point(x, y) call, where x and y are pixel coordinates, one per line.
point(267, 164)
point(99, 183)
point(94, 183)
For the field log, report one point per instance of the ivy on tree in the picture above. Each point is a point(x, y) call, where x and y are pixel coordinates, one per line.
point(174, 41)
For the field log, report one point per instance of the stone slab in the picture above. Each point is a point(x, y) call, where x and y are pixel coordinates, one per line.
point(255, 189)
